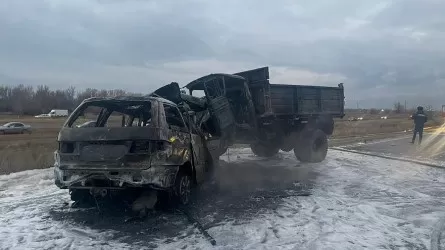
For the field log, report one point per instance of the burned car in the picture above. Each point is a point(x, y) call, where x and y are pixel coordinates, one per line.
point(137, 143)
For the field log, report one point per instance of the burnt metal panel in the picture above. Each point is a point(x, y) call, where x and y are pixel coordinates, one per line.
point(112, 134)
point(255, 75)
point(221, 110)
point(219, 106)
point(100, 153)
point(170, 92)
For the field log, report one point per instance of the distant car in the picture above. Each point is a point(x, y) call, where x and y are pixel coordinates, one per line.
point(384, 117)
point(355, 118)
point(15, 128)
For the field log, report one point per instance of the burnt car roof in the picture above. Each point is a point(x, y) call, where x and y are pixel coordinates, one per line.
point(196, 83)
point(127, 99)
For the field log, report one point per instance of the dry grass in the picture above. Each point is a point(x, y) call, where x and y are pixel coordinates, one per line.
point(34, 151)
point(345, 128)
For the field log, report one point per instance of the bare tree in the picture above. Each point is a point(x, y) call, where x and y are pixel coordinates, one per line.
point(398, 108)
point(23, 99)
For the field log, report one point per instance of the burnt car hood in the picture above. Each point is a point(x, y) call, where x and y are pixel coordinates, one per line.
point(113, 134)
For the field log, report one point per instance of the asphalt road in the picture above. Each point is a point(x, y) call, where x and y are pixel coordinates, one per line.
point(355, 202)
point(431, 149)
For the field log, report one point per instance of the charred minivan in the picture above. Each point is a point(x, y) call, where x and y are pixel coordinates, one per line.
point(130, 142)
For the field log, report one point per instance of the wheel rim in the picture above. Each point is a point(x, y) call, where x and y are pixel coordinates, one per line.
point(184, 189)
point(318, 143)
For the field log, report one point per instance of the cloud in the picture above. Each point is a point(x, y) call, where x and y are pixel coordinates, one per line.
point(382, 50)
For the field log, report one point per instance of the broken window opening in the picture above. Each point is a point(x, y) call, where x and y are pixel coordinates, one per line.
point(174, 117)
point(111, 114)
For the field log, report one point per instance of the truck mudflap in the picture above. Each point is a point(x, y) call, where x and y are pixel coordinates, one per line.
point(157, 177)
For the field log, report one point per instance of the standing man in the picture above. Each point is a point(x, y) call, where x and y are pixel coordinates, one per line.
point(420, 119)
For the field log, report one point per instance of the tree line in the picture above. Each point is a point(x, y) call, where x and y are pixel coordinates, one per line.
point(29, 100)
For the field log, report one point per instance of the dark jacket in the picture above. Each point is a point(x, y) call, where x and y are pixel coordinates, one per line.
point(420, 119)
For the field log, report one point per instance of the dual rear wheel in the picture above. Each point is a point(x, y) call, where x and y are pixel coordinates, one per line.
point(312, 146)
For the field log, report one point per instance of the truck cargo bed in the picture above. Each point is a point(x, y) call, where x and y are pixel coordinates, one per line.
point(295, 100)
point(306, 100)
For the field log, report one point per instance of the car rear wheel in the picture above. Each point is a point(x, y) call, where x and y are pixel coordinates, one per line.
point(183, 188)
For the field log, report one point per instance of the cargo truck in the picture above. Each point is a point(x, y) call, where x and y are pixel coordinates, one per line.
point(58, 113)
point(246, 108)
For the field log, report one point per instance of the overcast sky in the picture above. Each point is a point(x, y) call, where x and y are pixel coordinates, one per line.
point(383, 51)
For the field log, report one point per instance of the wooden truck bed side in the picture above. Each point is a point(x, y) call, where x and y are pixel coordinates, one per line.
point(306, 100)
point(294, 100)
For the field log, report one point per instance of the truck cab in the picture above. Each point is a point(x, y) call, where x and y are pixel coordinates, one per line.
point(229, 103)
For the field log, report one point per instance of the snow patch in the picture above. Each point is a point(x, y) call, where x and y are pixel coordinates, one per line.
point(356, 202)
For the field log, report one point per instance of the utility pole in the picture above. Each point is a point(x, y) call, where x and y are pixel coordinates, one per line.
point(357, 104)
point(405, 106)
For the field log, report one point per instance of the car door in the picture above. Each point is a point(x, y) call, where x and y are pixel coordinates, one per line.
point(179, 135)
point(12, 129)
point(18, 128)
point(219, 106)
point(199, 150)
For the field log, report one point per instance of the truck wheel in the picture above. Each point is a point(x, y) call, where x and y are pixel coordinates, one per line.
point(313, 147)
point(183, 187)
point(262, 150)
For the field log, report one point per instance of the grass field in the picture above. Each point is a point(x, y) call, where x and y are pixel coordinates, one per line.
point(31, 151)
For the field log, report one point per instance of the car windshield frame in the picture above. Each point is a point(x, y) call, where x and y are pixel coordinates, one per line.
point(107, 108)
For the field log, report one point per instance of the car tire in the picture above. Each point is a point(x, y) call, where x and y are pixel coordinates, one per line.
point(261, 150)
point(313, 147)
point(183, 188)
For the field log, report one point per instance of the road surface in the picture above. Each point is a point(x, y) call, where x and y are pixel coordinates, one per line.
point(431, 149)
point(355, 202)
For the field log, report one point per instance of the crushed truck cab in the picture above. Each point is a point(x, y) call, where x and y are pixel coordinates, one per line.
point(131, 142)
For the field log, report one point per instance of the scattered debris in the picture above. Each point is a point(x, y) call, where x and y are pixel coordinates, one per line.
point(198, 226)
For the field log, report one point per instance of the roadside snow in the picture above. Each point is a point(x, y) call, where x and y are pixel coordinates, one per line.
point(25, 200)
point(357, 202)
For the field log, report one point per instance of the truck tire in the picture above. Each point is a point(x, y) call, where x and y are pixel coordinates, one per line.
point(313, 147)
point(262, 150)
